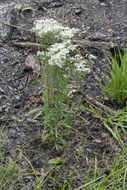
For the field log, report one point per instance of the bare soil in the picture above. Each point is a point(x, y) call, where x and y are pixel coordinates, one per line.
point(103, 25)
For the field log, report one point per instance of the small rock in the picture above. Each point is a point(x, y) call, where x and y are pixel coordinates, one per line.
point(104, 135)
point(73, 144)
point(51, 4)
point(56, 4)
point(97, 140)
point(83, 34)
point(44, 4)
point(11, 18)
point(1, 90)
point(28, 69)
point(78, 11)
point(17, 97)
point(71, 1)
point(31, 64)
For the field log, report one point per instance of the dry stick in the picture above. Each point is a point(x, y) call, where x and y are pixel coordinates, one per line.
point(89, 183)
point(8, 85)
point(101, 46)
point(14, 26)
point(79, 44)
point(8, 65)
point(98, 104)
point(117, 23)
point(27, 44)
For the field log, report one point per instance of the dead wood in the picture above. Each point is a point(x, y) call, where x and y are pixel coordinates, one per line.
point(27, 44)
point(101, 46)
point(15, 26)
point(101, 107)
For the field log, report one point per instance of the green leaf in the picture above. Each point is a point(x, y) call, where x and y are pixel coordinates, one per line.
point(55, 161)
point(35, 187)
point(19, 6)
point(39, 114)
point(45, 138)
point(35, 110)
point(113, 133)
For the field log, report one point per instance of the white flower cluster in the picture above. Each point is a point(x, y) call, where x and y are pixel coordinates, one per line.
point(59, 53)
point(81, 67)
point(53, 28)
point(80, 64)
point(90, 56)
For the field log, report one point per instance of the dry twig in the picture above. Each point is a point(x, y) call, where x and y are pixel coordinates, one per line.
point(27, 44)
point(14, 26)
point(89, 183)
point(98, 105)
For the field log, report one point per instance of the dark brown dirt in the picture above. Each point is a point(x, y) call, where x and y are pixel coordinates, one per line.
point(103, 25)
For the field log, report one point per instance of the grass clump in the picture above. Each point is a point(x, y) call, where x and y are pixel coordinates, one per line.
point(96, 176)
point(113, 179)
point(13, 173)
point(116, 123)
point(115, 83)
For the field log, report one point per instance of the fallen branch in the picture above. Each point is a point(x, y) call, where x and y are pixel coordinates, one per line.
point(27, 44)
point(101, 46)
point(15, 26)
point(99, 105)
point(7, 85)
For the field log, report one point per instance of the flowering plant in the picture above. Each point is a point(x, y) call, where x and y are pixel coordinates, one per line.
point(57, 69)
point(51, 28)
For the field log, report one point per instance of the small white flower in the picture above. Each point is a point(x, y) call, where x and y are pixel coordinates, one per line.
point(81, 67)
point(90, 56)
point(39, 53)
point(78, 57)
point(68, 33)
point(58, 53)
